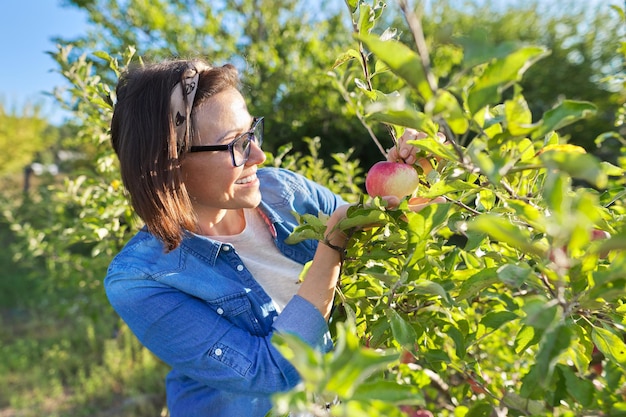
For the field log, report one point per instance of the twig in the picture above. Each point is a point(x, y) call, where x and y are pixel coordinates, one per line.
point(415, 25)
point(370, 87)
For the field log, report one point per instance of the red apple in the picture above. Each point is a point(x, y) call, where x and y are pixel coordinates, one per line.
point(414, 411)
point(598, 234)
point(391, 179)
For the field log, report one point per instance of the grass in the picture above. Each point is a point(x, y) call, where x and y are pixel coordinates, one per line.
point(68, 363)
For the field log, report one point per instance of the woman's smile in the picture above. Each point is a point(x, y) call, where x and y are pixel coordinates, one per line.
point(246, 180)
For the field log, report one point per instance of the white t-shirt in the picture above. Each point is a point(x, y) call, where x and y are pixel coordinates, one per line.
point(277, 274)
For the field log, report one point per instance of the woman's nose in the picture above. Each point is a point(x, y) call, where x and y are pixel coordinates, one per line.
point(257, 156)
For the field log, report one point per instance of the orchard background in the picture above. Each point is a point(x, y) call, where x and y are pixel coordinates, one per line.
point(507, 299)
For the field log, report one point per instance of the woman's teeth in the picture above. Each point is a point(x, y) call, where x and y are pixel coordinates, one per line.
point(246, 180)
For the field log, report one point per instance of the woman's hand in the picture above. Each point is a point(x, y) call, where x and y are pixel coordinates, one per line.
point(407, 153)
point(335, 237)
point(403, 151)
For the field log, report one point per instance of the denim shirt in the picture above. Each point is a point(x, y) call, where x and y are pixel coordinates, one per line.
point(200, 310)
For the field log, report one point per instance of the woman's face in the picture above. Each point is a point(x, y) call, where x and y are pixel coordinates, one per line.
point(212, 182)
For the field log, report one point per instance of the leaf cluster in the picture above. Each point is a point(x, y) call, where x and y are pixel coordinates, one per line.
point(509, 295)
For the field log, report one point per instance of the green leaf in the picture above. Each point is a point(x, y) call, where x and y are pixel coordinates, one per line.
point(309, 227)
point(395, 109)
point(582, 390)
point(486, 163)
point(423, 223)
point(563, 114)
point(532, 382)
point(514, 275)
point(433, 146)
point(302, 233)
point(366, 18)
point(578, 165)
point(527, 337)
point(540, 313)
point(346, 376)
point(388, 391)
point(447, 106)
point(515, 401)
point(499, 74)
point(303, 357)
point(406, 117)
point(352, 5)
point(402, 61)
point(459, 340)
point(503, 230)
point(346, 56)
point(518, 117)
point(363, 217)
point(553, 342)
point(480, 409)
point(528, 213)
point(402, 331)
point(426, 287)
point(448, 187)
point(486, 200)
point(612, 346)
point(495, 320)
point(436, 356)
point(472, 286)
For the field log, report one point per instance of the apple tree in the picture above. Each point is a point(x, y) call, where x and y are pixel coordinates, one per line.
point(509, 298)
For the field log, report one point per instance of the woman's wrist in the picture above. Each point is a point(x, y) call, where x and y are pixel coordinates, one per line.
point(336, 240)
point(334, 237)
point(339, 248)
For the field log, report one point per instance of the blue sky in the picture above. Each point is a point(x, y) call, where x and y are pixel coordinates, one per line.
point(26, 29)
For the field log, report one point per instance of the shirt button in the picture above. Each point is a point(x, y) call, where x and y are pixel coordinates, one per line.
point(239, 268)
point(218, 352)
point(220, 311)
point(226, 247)
point(274, 318)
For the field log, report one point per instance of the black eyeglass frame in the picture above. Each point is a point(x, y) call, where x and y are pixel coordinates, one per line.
point(249, 135)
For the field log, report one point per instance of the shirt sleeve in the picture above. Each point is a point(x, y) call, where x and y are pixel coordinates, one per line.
point(194, 339)
point(287, 191)
point(301, 318)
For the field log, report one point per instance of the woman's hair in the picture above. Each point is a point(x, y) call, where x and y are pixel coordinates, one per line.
point(144, 138)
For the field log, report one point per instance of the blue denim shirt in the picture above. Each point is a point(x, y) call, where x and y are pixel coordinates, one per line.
point(200, 310)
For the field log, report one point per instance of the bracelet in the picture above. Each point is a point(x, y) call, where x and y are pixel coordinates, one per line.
point(339, 249)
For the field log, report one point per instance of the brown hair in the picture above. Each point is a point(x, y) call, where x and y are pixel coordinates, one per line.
point(150, 155)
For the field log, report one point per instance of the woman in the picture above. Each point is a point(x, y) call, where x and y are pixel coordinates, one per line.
point(209, 279)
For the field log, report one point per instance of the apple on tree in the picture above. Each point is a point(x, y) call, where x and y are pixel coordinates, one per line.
point(386, 178)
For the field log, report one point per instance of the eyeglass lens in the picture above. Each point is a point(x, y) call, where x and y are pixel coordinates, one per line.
point(242, 148)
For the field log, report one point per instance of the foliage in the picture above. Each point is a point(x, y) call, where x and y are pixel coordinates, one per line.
point(510, 297)
point(26, 135)
point(278, 46)
point(282, 48)
point(579, 56)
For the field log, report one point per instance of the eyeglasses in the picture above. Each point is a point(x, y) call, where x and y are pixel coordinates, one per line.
point(240, 147)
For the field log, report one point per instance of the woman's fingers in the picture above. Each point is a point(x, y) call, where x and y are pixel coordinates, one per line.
point(392, 200)
point(418, 203)
point(415, 203)
point(403, 151)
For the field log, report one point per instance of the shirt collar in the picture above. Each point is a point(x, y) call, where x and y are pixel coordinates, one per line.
point(207, 249)
point(201, 247)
